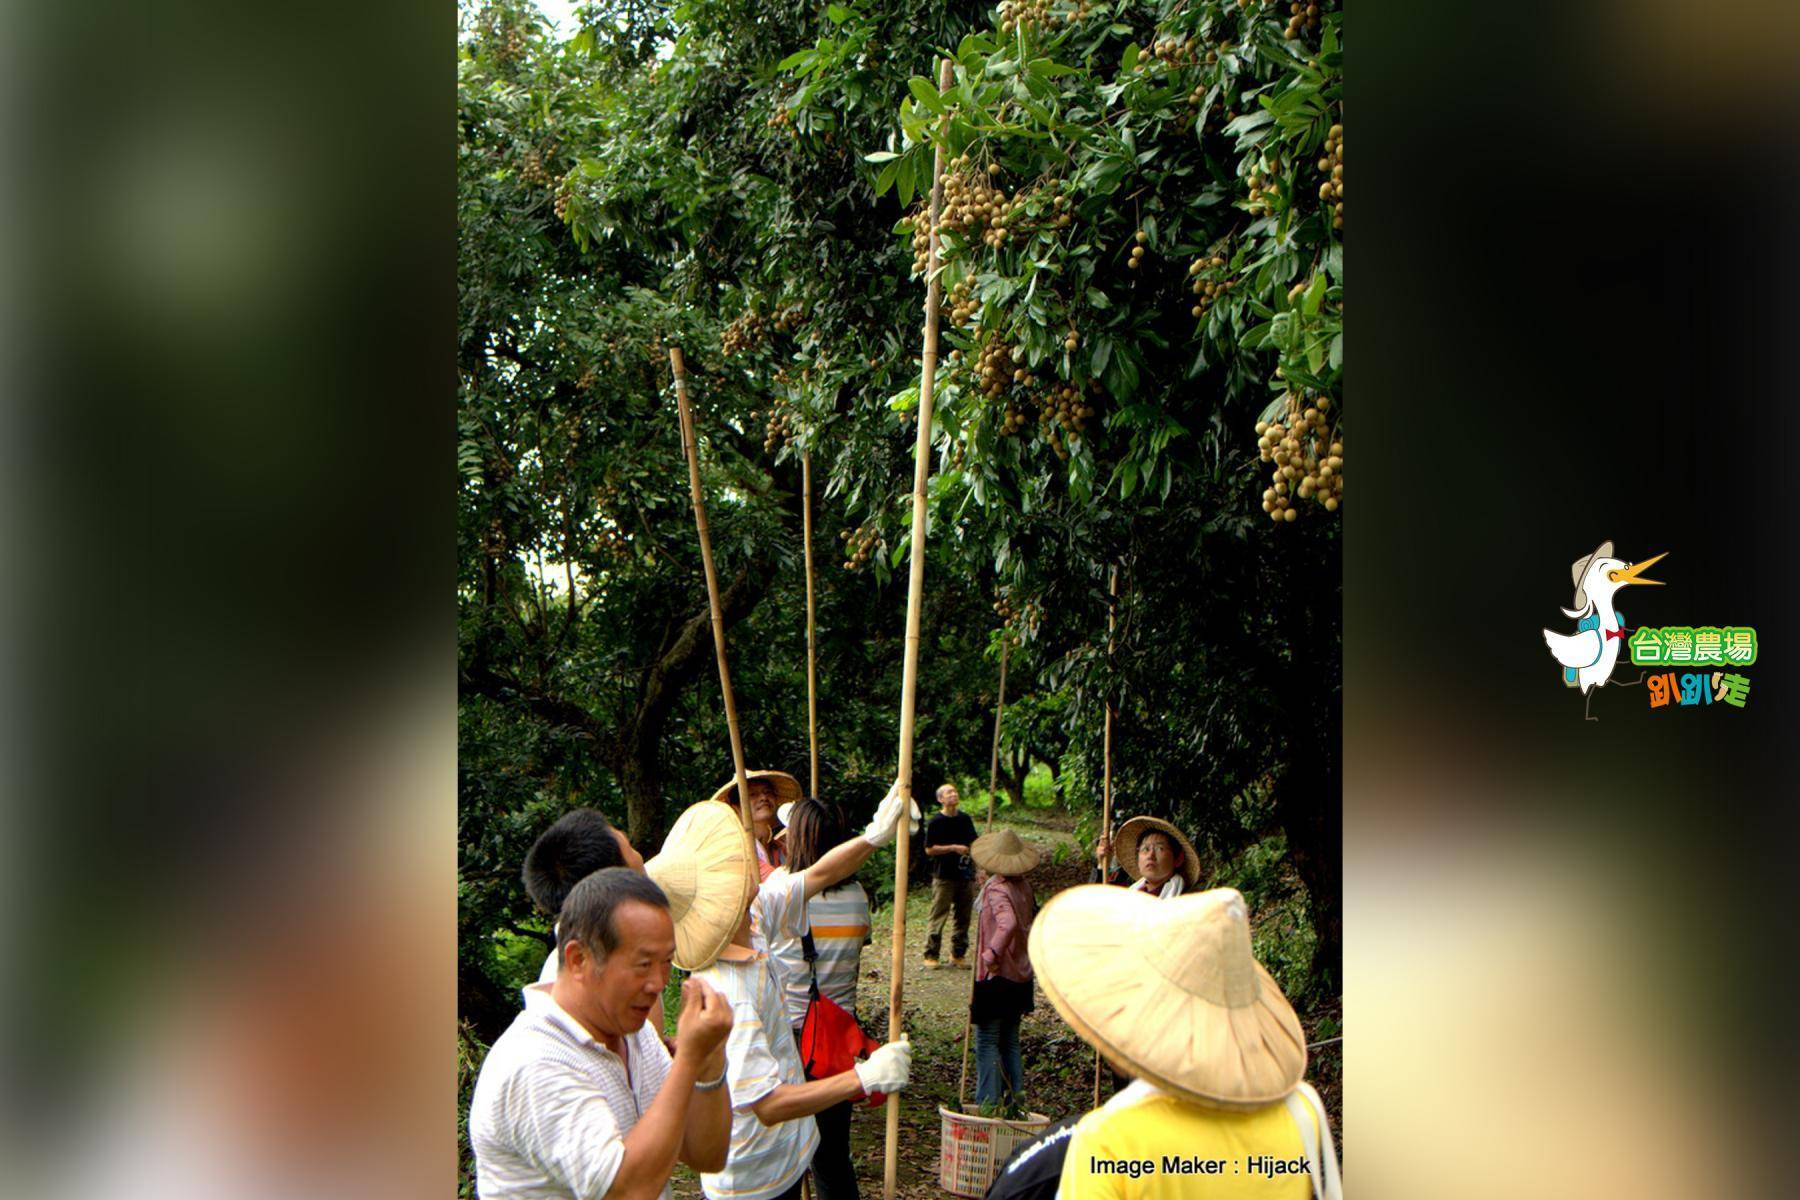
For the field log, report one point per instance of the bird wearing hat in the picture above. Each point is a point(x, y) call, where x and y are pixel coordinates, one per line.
point(1590, 653)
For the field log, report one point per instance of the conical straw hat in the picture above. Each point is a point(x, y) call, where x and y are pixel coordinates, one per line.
point(787, 788)
point(1003, 853)
point(1125, 848)
point(707, 869)
point(1168, 991)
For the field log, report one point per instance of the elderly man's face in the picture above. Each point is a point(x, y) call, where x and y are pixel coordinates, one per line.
point(617, 994)
point(948, 797)
point(762, 801)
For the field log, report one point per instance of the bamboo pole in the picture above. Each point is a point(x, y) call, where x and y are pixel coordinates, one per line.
point(712, 582)
point(962, 1088)
point(812, 649)
point(909, 679)
point(1106, 771)
point(999, 711)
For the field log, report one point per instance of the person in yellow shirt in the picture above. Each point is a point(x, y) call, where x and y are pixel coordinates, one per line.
point(1168, 991)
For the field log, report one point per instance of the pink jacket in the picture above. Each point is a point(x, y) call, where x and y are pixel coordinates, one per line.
point(1006, 911)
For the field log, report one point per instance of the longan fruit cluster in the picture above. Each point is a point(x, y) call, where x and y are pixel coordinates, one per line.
point(1038, 14)
point(1302, 17)
point(859, 544)
point(782, 118)
point(1140, 239)
point(1064, 406)
point(1013, 619)
point(995, 369)
point(589, 377)
point(973, 203)
point(1264, 192)
point(961, 305)
point(748, 331)
point(1308, 457)
point(1331, 165)
point(780, 423)
point(1175, 53)
point(565, 192)
point(532, 169)
point(1206, 284)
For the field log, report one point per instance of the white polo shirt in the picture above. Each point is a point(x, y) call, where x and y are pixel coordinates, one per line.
point(552, 1105)
point(760, 1056)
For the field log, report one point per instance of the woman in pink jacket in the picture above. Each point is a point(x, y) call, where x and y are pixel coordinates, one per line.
point(1003, 979)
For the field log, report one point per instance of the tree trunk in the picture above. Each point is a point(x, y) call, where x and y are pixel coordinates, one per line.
point(638, 765)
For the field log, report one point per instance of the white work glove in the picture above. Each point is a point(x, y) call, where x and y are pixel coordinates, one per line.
point(888, 1069)
point(887, 816)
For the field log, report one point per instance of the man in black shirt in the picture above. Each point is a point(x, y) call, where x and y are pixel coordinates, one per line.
point(947, 839)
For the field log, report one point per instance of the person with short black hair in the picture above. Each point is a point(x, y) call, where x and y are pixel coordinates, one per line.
point(581, 842)
point(579, 1097)
point(948, 836)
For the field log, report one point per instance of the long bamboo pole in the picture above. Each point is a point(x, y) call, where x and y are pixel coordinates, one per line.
point(909, 678)
point(1112, 587)
point(712, 582)
point(812, 648)
point(999, 711)
point(962, 1088)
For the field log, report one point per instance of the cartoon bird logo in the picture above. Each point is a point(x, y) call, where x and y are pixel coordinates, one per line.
point(1590, 653)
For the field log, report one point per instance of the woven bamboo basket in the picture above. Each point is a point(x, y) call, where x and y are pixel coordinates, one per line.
point(974, 1148)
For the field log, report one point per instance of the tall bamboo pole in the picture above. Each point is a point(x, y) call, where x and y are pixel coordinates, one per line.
point(1112, 588)
point(962, 1088)
point(712, 582)
point(999, 711)
point(909, 679)
point(812, 648)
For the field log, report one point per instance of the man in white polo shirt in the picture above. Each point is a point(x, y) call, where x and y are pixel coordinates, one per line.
point(579, 1099)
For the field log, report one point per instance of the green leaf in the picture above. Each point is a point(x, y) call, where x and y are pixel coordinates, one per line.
point(1315, 295)
point(1129, 59)
point(1128, 477)
point(1336, 356)
point(925, 94)
point(837, 14)
point(881, 156)
point(795, 59)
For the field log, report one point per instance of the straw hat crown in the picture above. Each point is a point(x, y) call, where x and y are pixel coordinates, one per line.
point(1169, 991)
point(787, 788)
point(708, 871)
point(1003, 853)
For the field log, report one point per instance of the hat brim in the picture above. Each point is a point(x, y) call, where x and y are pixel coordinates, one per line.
point(989, 858)
point(787, 788)
point(708, 870)
point(1084, 946)
point(1125, 848)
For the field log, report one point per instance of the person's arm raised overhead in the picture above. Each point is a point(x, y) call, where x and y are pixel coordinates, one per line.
point(842, 860)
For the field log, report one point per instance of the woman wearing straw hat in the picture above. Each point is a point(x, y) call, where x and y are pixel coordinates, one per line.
point(722, 917)
point(1003, 988)
point(769, 790)
point(837, 919)
point(1154, 854)
point(1169, 992)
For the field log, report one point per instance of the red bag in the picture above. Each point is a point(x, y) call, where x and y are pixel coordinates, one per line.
point(831, 1041)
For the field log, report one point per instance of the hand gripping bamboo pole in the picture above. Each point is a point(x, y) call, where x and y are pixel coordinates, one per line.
point(1112, 588)
point(909, 678)
point(812, 648)
point(712, 583)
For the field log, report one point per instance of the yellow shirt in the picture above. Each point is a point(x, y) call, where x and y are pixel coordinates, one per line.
point(1147, 1145)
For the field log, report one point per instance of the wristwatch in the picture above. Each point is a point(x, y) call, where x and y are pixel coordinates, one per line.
point(712, 1085)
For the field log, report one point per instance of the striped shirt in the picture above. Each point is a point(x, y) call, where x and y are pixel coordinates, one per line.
point(552, 1105)
point(839, 920)
point(760, 1055)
